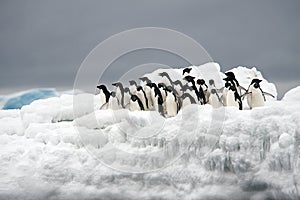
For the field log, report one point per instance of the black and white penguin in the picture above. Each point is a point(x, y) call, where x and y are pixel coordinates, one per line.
point(104, 94)
point(255, 95)
point(171, 103)
point(156, 98)
point(166, 79)
point(127, 97)
point(233, 98)
point(135, 103)
point(187, 99)
point(200, 95)
point(231, 78)
point(132, 86)
point(147, 90)
point(178, 85)
point(203, 90)
point(113, 102)
point(186, 70)
point(120, 93)
point(142, 96)
point(224, 92)
point(214, 99)
point(145, 79)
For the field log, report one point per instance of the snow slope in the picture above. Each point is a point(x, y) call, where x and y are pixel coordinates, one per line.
point(202, 153)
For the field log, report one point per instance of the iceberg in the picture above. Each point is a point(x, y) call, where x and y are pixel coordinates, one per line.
point(47, 152)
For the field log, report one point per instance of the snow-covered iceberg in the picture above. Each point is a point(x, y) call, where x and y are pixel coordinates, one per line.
point(47, 152)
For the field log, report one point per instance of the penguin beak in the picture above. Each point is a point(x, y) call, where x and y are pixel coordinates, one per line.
point(114, 84)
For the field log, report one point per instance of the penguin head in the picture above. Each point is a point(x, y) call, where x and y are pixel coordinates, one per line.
point(134, 98)
point(256, 85)
point(232, 88)
point(117, 84)
point(230, 74)
point(211, 82)
point(186, 87)
point(189, 78)
point(213, 91)
point(126, 89)
point(186, 70)
point(200, 81)
point(161, 85)
point(113, 94)
point(255, 80)
point(162, 74)
point(139, 88)
point(132, 82)
point(151, 85)
point(145, 78)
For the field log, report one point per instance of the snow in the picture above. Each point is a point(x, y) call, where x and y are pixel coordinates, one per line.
point(47, 152)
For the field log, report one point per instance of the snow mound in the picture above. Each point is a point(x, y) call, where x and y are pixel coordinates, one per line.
point(292, 95)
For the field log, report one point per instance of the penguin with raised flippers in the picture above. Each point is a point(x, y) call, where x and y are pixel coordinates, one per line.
point(255, 95)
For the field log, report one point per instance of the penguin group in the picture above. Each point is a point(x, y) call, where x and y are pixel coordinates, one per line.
point(169, 96)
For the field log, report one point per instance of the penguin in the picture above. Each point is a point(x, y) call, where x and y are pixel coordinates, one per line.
point(113, 102)
point(186, 70)
point(203, 90)
point(145, 79)
point(132, 86)
point(120, 93)
point(171, 103)
point(135, 103)
point(104, 94)
point(224, 93)
point(187, 99)
point(200, 94)
point(233, 98)
point(255, 95)
point(231, 78)
point(186, 89)
point(147, 91)
point(178, 85)
point(166, 78)
point(162, 88)
point(142, 96)
point(156, 98)
point(127, 97)
point(214, 99)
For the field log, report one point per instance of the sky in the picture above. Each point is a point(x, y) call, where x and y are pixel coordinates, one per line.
point(43, 43)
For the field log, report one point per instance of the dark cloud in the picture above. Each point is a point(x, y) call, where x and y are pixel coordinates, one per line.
point(42, 43)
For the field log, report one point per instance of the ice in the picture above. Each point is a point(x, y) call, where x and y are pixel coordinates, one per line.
point(47, 152)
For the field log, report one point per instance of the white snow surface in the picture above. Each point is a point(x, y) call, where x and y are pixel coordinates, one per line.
point(202, 153)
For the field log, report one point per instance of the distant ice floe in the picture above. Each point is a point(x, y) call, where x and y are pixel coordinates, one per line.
point(202, 153)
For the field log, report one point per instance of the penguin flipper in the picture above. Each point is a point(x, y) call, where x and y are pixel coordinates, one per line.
point(271, 95)
point(243, 88)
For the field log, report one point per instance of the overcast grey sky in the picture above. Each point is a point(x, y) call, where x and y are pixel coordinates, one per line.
point(42, 43)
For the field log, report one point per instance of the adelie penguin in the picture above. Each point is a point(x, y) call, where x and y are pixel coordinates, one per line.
point(132, 86)
point(255, 95)
point(120, 93)
point(214, 99)
point(203, 90)
point(135, 103)
point(142, 96)
point(231, 78)
point(104, 94)
point(233, 98)
point(187, 99)
point(166, 79)
point(200, 94)
point(156, 98)
point(171, 103)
